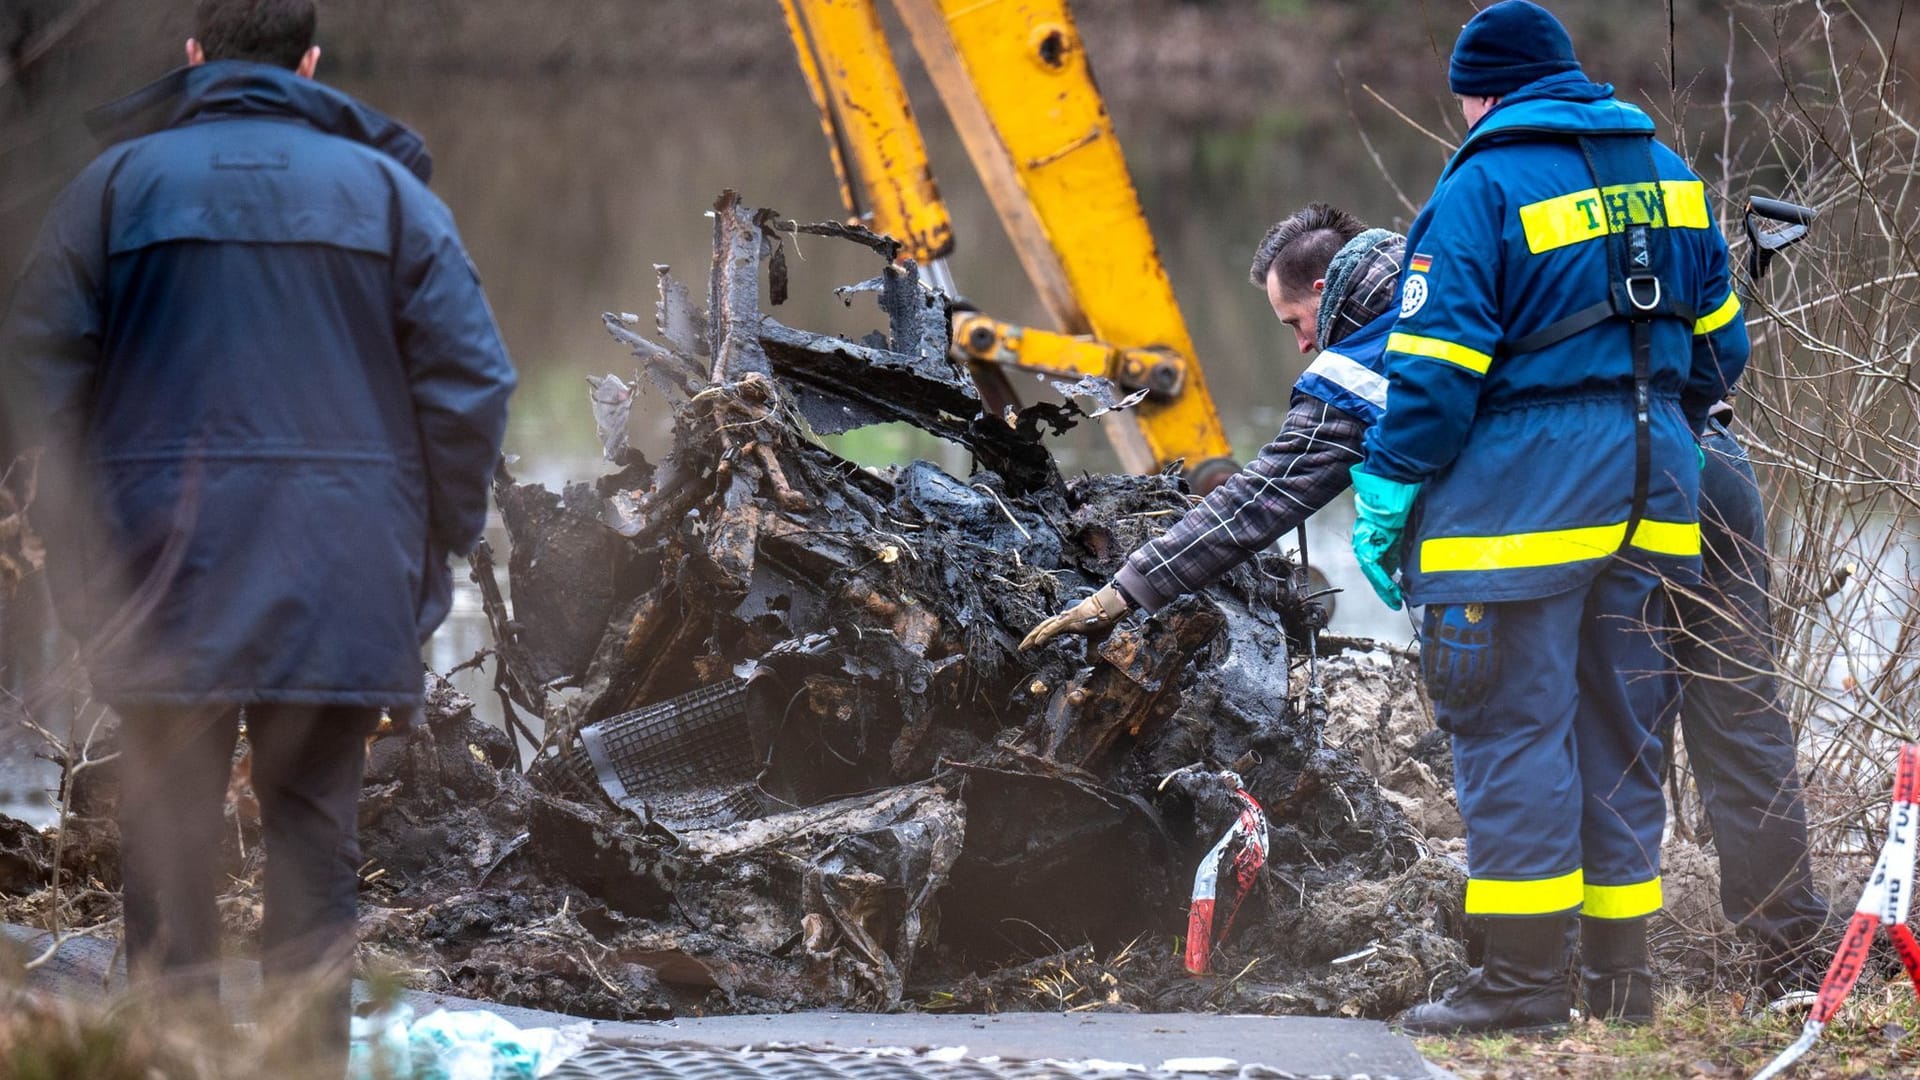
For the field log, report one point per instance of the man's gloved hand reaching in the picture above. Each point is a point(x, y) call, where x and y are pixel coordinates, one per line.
point(1380, 510)
point(1089, 616)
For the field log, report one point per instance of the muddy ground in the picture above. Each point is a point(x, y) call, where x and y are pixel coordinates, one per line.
point(479, 883)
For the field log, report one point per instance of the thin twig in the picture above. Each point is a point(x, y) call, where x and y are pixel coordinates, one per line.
point(1411, 122)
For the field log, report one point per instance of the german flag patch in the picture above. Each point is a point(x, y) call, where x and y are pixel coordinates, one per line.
point(1420, 264)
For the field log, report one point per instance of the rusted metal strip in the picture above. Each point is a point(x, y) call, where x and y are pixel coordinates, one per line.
point(733, 291)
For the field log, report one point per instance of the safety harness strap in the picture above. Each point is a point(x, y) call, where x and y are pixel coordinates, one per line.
point(1580, 322)
point(1635, 293)
point(1561, 329)
point(1642, 396)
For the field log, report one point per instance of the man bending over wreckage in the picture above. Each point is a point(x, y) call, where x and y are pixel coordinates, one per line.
point(1335, 284)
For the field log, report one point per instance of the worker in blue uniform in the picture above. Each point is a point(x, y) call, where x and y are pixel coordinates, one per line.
point(1567, 320)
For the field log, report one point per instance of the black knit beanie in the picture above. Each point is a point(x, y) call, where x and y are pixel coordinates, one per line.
point(1507, 46)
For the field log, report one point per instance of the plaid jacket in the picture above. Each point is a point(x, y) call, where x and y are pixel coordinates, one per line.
point(1297, 473)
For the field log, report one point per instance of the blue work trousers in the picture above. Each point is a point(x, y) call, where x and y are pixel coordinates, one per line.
point(1557, 745)
point(1736, 732)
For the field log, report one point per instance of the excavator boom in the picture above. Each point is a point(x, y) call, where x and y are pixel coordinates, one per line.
point(1014, 78)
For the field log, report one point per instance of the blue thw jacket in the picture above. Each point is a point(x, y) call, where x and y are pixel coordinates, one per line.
point(1352, 375)
point(273, 393)
point(1527, 458)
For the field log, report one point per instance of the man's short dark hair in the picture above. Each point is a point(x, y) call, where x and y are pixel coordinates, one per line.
point(263, 31)
point(1302, 245)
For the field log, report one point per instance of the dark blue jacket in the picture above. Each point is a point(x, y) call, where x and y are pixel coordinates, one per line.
point(1527, 459)
point(272, 393)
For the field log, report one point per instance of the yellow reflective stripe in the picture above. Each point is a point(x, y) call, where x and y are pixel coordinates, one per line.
point(1519, 550)
point(1487, 896)
point(1434, 348)
point(1554, 547)
point(1620, 901)
point(1668, 537)
point(1721, 316)
point(1585, 215)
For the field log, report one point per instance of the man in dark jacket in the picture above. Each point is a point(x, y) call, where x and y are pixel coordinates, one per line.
point(272, 395)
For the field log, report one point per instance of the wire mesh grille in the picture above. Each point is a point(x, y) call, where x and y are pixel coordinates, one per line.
point(687, 762)
point(620, 1063)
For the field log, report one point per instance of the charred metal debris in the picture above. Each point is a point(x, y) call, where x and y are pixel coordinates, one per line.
point(792, 755)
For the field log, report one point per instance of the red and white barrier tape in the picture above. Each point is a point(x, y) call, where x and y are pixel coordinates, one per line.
point(1247, 840)
point(1885, 901)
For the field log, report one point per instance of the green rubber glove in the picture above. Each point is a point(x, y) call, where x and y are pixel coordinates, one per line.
point(1380, 517)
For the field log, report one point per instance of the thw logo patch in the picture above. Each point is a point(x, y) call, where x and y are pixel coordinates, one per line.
point(1413, 295)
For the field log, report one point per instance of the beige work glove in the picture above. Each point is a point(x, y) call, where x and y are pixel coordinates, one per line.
point(1089, 616)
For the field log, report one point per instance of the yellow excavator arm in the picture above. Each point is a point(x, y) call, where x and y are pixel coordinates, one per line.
point(1014, 79)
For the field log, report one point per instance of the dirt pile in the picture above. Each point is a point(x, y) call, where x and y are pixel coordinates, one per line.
point(1383, 718)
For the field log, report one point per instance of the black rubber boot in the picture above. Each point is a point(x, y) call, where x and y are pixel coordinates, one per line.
point(1522, 986)
point(1615, 973)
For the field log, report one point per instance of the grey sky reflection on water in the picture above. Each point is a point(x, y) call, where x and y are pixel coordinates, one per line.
point(568, 191)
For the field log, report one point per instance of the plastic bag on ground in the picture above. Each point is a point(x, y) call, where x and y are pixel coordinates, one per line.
point(465, 1045)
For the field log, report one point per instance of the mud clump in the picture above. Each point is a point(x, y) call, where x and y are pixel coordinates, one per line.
point(1383, 718)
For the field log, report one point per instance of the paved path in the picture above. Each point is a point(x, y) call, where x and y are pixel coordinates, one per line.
point(920, 1044)
point(896, 1046)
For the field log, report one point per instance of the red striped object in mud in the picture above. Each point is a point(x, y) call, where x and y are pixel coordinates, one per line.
point(1247, 839)
point(1886, 900)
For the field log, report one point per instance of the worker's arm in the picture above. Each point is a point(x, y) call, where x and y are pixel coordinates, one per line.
point(50, 345)
point(1297, 473)
point(1448, 330)
point(457, 370)
point(1720, 345)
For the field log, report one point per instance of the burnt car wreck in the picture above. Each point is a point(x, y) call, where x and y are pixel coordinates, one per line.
point(793, 756)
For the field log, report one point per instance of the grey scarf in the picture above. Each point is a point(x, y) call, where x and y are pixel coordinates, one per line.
point(1362, 282)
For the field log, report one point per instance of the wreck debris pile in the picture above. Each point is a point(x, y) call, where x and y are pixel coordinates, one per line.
point(792, 753)
point(791, 756)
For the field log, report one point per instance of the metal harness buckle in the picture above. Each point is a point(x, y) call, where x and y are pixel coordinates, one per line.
point(1633, 285)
